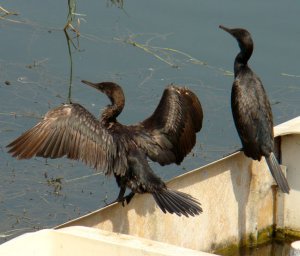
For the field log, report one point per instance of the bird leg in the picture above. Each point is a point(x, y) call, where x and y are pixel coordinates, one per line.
point(129, 197)
point(121, 198)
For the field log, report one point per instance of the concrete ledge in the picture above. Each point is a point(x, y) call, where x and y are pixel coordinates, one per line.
point(78, 241)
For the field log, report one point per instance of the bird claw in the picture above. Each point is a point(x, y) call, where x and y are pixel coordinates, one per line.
point(126, 199)
point(123, 202)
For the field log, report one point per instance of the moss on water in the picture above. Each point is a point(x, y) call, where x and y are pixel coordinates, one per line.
point(265, 236)
point(287, 234)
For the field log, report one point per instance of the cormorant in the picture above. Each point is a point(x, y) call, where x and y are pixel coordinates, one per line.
point(166, 137)
point(251, 109)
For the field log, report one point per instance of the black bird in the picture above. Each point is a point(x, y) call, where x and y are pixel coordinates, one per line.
point(251, 109)
point(166, 137)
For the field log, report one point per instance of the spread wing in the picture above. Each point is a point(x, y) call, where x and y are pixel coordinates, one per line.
point(70, 130)
point(169, 134)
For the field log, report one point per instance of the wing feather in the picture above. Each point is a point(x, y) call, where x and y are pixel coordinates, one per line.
point(169, 134)
point(70, 130)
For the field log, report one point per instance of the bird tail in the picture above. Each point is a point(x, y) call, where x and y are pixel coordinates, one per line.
point(277, 173)
point(177, 202)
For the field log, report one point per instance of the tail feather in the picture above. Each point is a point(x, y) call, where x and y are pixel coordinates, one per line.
point(184, 204)
point(169, 204)
point(160, 203)
point(277, 173)
point(175, 207)
point(165, 205)
point(177, 202)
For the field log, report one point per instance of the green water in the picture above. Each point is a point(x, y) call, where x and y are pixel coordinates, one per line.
point(274, 248)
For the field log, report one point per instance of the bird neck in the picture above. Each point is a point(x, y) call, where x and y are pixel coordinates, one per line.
point(241, 60)
point(112, 111)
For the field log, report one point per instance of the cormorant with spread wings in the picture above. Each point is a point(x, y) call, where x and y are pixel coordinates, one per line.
point(166, 137)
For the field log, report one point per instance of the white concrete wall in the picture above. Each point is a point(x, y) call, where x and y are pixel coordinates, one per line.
point(291, 157)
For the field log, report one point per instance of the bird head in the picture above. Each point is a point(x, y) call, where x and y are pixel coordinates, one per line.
point(113, 91)
point(241, 35)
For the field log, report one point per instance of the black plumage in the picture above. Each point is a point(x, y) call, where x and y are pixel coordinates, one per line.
point(166, 137)
point(251, 109)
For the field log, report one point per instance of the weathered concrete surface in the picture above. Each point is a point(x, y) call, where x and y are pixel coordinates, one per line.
point(78, 241)
point(295, 249)
point(291, 156)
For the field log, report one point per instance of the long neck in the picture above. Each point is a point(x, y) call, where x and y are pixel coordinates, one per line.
point(241, 60)
point(112, 111)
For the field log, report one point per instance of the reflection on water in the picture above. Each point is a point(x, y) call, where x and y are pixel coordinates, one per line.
point(144, 46)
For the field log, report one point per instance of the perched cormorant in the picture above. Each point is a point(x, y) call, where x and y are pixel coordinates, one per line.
point(166, 137)
point(251, 109)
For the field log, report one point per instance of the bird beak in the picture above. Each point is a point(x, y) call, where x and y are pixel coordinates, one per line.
point(98, 86)
point(226, 29)
point(90, 84)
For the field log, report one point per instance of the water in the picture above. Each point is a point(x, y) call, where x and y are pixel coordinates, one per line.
point(274, 248)
point(144, 46)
